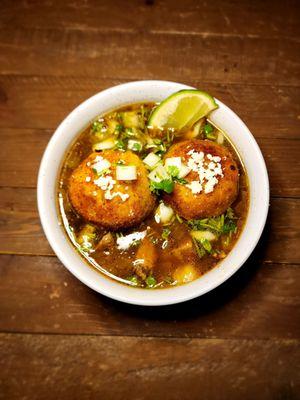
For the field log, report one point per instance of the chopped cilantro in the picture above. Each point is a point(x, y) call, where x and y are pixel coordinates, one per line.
point(120, 145)
point(208, 128)
point(200, 250)
point(119, 128)
point(97, 126)
point(180, 180)
point(100, 173)
point(166, 185)
point(150, 281)
point(206, 244)
point(173, 170)
point(133, 279)
point(209, 132)
point(137, 146)
point(230, 214)
point(219, 225)
point(179, 219)
point(165, 233)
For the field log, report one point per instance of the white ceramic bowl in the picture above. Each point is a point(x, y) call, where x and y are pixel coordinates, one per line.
point(134, 92)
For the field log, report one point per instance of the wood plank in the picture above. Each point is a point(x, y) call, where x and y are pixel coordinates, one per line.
point(94, 53)
point(21, 232)
point(139, 368)
point(230, 18)
point(28, 145)
point(42, 102)
point(260, 301)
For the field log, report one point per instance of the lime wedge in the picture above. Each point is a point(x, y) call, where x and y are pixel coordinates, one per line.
point(182, 109)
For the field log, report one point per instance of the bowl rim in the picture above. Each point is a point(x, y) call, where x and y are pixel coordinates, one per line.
point(114, 289)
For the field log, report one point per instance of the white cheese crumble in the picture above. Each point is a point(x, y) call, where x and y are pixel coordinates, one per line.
point(208, 168)
point(88, 179)
point(195, 187)
point(124, 242)
point(109, 196)
point(106, 182)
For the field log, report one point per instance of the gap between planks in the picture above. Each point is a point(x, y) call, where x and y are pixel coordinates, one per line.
point(122, 80)
point(150, 337)
point(162, 32)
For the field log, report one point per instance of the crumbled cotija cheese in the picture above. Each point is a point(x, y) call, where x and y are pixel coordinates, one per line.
point(106, 182)
point(208, 168)
point(109, 196)
point(124, 242)
point(195, 187)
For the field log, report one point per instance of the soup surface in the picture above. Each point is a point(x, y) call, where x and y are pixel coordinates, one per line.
point(148, 207)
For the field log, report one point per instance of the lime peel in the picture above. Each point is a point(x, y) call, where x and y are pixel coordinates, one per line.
point(182, 109)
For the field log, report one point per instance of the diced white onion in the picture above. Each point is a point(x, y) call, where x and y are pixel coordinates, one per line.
point(101, 165)
point(151, 160)
point(173, 162)
point(220, 138)
point(183, 171)
point(105, 144)
point(126, 173)
point(164, 214)
point(158, 174)
point(199, 235)
point(135, 145)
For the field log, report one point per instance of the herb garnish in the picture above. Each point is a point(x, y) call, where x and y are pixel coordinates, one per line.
point(150, 281)
point(166, 185)
point(219, 225)
point(165, 233)
point(96, 126)
point(209, 131)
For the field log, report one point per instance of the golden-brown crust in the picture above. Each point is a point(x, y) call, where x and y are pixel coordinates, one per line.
point(192, 206)
point(112, 214)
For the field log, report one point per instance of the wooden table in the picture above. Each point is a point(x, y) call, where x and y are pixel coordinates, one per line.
point(61, 340)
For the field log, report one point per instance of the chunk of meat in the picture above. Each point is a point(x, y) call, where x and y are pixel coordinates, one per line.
point(106, 243)
point(146, 258)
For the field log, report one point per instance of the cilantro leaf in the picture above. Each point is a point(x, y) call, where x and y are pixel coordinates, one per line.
point(165, 233)
point(97, 126)
point(208, 128)
point(166, 185)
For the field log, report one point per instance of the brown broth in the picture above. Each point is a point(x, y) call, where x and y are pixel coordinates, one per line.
point(177, 254)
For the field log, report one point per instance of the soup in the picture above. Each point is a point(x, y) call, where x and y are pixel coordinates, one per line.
point(149, 207)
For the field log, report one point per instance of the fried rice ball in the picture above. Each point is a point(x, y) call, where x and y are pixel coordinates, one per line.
point(203, 205)
point(89, 200)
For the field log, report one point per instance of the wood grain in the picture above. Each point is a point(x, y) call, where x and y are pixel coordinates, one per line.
point(59, 339)
point(229, 18)
point(138, 368)
point(26, 146)
point(261, 301)
point(21, 232)
point(137, 55)
point(270, 111)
